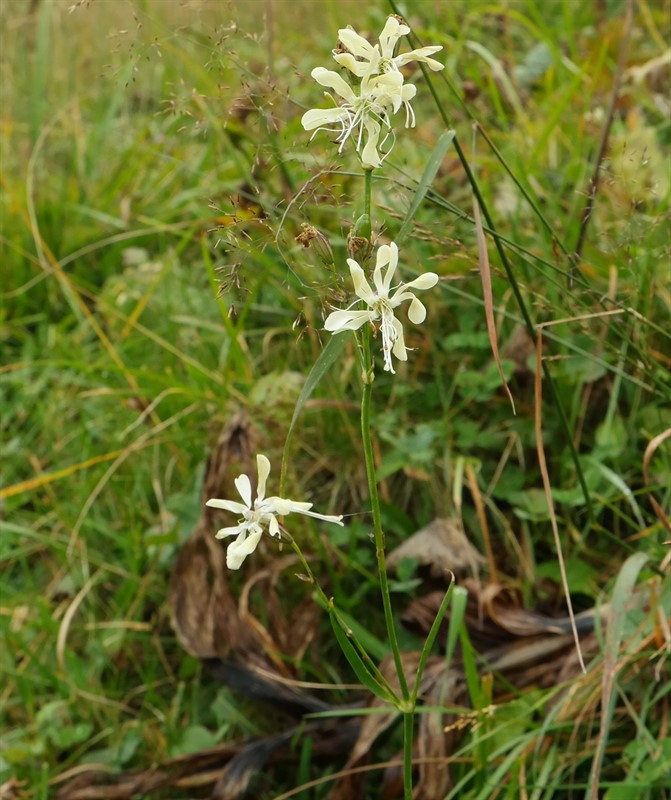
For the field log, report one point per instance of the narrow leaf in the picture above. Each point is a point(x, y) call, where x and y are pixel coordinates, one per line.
point(622, 591)
point(487, 296)
point(432, 167)
point(357, 663)
point(547, 487)
point(431, 638)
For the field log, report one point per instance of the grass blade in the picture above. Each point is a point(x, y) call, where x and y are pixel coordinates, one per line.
point(622, 591)
point(432, 167)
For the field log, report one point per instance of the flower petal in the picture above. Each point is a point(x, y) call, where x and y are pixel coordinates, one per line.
point(417, 311)
point(331, 79)
point(355, 43)
point(323, 117)
point(391, 269)
point(227, 505)
point(391, 33)
point(348, 320)
point(239, 550)
point(294, 507)
point(336, 520)
point(421, 54)
point(284, 507)
point(425, 281)
point(382, 258)
point(235, 530)
point(263, 467)
point(399, 345)
point(370, 158)
point(244, 486)
point(361, 286)
point(347, 60)
point(273, 526)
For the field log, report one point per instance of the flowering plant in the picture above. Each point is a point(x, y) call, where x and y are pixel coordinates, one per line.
point(362, 55)
point(381, 92)
point(258, 515)
point(381, 303)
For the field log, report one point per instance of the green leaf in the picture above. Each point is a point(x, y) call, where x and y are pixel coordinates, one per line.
point(361, 670)
point(432, 167)
point(431, 638)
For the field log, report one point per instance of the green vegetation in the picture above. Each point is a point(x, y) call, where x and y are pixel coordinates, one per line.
point(154, 177)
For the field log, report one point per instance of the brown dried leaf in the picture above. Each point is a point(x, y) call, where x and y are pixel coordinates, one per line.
point(440, 545)
point(647, 457)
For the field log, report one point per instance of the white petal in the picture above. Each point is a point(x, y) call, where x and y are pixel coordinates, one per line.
point(399, 345)
point(361, 286)
point(391, 33)
point(388, 90)
point(336, 520)
point(421, 54)
point(284, 507)
point(239, 550)
point(236, 530)
point(391, 269)
point(340, 321)
point(244, 486)
point(273, 525)
point(425, 281)
point(347, 60)
point(294, 507)
point(417, 311)
point(263, 467)
point(382, 258)
point(227, 505)
point(323, 117)
point(355, 43)
point(370, 158)
point(326, 77)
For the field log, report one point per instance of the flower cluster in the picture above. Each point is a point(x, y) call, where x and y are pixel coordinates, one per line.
point(256, 515)
point(381, 303)
point(380, 93)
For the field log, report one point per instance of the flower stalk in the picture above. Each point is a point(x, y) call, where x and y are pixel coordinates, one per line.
point(367, 369)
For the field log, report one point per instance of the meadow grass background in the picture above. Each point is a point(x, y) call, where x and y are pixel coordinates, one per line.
point(150, 150)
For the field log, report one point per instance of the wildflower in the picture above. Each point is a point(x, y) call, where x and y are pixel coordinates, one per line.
point(367, 111)
point(362, 54)
point(257, 515)
point(381, 305)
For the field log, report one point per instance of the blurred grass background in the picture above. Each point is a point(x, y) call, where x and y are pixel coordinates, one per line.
point(150, 149)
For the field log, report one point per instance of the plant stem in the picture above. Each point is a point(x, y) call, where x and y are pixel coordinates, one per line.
point(367, 366)
point(408, 731)
point(367, 186)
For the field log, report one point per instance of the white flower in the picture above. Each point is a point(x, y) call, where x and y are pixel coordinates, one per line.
point(381, 305)
point(367, 111)
point(257, 515)
point(362, 53)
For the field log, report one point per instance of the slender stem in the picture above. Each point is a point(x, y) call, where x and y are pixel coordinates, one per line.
point(368, 182)
point(367, 365)
point(328, 605)
point(408, 732)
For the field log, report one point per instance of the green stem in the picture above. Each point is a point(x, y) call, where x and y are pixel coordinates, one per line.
point(367, 365)
point(408, 731)
point(328, 605)
point(367, 191)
